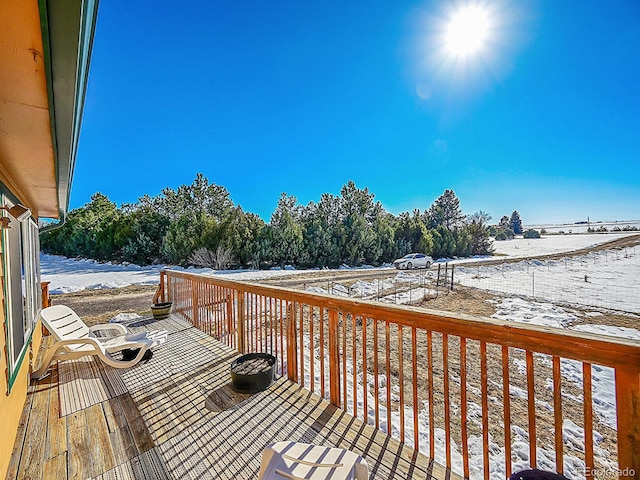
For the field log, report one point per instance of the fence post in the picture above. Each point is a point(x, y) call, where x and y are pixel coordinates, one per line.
point(163, 277)
point(334, 358)
point(292, 343)
point(241, 323)
point(452, 267)
point(628, 409)
point(438, 280)
point(533, 284)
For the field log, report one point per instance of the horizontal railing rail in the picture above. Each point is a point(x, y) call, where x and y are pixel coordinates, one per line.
point(485, 397)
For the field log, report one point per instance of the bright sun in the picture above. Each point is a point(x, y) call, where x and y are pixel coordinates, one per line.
point(467, 31)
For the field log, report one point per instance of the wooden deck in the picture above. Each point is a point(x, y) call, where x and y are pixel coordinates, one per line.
point(176, 417)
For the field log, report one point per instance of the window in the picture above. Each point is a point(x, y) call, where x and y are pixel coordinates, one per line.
point(23, 299)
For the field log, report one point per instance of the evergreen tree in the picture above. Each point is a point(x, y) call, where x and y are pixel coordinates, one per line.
point(516, 223)
point(445, 212)
point(503, 230)
point(214, 200)
point(383, 228)
point(184, 236)
point(241, 235)
point(426, 243)
point(93, 235)
point(143, 245)
point(443, 242)
point(359, 211)
point(478, 230)
point(412, 235)
point(463, 242)
point(323, 233)
point(285, 231)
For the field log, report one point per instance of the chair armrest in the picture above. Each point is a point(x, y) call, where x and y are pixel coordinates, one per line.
point(121, 329)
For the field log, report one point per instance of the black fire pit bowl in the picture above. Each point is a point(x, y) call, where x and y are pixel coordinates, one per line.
point(253, 372)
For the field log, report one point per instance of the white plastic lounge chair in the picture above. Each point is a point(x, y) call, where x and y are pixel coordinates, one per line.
point(73, 339)
point(301, 461)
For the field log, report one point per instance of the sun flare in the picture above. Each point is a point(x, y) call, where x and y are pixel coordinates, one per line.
point(467, 31)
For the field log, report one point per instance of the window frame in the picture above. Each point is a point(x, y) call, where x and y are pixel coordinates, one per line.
point(28, 285)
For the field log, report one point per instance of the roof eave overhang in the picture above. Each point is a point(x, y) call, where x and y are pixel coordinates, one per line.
point(68, 28)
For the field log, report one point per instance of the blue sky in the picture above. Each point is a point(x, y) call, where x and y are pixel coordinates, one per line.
point(301, 97)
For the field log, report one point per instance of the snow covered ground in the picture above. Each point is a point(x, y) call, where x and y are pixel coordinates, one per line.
point(606, 278)
point(549, 244)
point(70, 275)
point(73, 275)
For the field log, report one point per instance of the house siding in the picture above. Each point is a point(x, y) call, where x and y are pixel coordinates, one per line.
point(13, 398)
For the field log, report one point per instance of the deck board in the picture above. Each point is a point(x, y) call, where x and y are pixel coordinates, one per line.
point(79, 462)
point(56, 444)
point(56, 467)
point(14, 463)
point(123, 445)
point(101, 450)
point(177, 416)
point(34, 441)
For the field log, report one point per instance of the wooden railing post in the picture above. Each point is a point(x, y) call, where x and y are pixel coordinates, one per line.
point(241, 323)
point(159, 295)
point(292, 344)
point(628, 406)
point(46, 300)
point(334, 358)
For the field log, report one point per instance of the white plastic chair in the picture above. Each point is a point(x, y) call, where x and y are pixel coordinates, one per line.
point(73, 339)
point(302, 461)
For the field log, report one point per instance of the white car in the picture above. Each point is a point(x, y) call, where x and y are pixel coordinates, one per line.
point(413, 260)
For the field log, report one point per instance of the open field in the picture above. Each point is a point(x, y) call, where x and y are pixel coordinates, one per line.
point(582, 227)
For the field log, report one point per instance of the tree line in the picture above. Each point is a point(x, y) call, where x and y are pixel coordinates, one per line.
point(199, 224)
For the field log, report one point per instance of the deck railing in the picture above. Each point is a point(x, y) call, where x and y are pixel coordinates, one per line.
point(484, 397)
